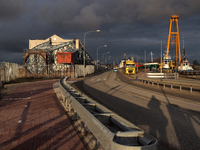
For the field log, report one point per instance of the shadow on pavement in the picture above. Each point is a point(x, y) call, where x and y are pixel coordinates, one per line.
point(152, 119)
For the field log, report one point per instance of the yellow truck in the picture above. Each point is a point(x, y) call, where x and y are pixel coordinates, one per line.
point(129, 67)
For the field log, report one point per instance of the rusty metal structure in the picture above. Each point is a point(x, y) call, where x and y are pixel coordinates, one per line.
point(38, 59)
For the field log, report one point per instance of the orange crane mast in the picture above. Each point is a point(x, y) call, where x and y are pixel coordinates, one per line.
point(173, 37)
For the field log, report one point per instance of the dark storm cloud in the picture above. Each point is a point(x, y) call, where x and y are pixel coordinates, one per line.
point(72, 13)
point(75, 14)
point(12, 9)
point(130, 21)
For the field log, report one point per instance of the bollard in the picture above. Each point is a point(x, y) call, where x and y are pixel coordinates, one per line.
point(177, 76)
point(191, 89)
point(171, 86)
point(180, 87)
point(164, 85)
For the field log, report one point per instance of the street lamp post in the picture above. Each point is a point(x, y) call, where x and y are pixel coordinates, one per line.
point(161, 59)
point(107, 61)
point(84, 48)
point(108, 57)
point(97, 54)
point(103, 60)
point(145, 60)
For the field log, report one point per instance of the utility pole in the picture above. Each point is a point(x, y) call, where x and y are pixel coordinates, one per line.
point(161, 59)
point(137, 62)
point(145, 60)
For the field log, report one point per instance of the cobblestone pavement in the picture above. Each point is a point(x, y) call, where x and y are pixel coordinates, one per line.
point(32, 118)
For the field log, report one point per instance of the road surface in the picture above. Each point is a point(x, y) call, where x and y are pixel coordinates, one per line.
point(174, 121)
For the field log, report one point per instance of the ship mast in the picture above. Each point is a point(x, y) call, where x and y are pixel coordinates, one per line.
point(183, 49)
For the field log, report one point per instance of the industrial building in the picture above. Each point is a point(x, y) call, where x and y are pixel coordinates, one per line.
point(54, 54)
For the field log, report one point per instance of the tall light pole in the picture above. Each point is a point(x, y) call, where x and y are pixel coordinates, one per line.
point(145, 60)
point(106, 59)
point(161, 58)
point(84, 48)
point(97, 54)
point(103, 60)
point(137, 62)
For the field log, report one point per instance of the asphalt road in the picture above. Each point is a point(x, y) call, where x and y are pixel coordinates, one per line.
point(174, 119)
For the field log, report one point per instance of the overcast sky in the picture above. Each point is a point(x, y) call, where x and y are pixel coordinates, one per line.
point(127, 26)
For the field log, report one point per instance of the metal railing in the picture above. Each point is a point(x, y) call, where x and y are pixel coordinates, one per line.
point(48, 71)
point(180, 83)
point(191, 73)
point(161, 75)
point(54, 71)
point(110, 130)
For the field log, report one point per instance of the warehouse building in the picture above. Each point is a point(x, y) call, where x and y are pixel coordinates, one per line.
point(55, 52)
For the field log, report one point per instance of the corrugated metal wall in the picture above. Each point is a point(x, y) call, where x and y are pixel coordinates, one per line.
point(8, 71)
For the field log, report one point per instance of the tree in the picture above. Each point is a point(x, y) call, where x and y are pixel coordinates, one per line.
point(157, 60)
point(195, 62)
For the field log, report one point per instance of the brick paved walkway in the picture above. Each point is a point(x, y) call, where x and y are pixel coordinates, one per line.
point(32, 118)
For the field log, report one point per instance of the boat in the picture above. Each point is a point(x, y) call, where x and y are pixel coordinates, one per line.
point(185, 65)
point(167, 60)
